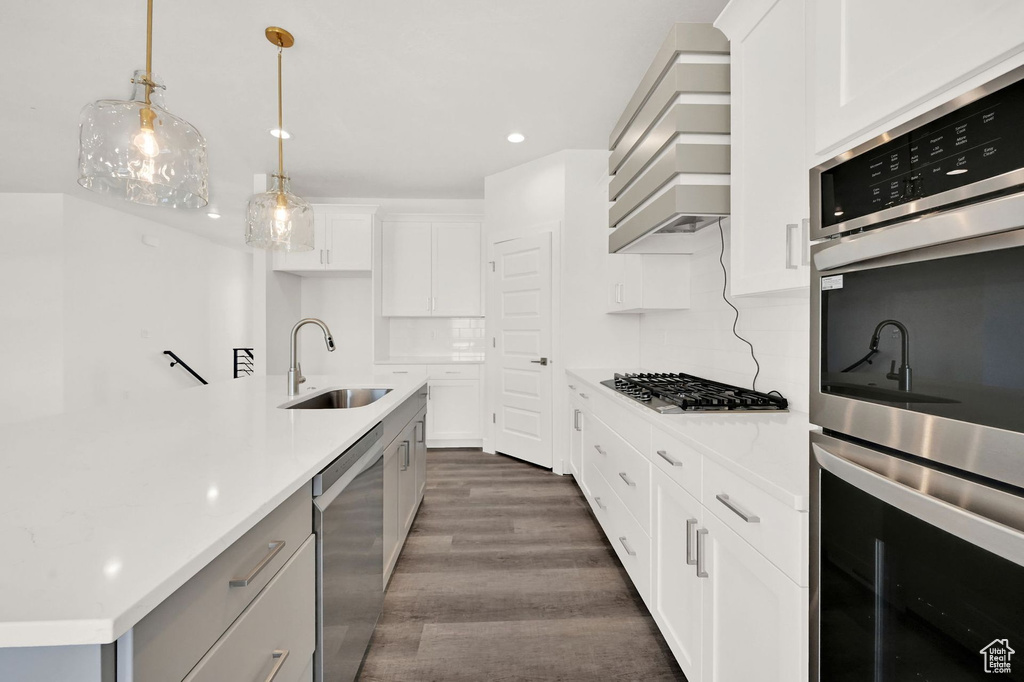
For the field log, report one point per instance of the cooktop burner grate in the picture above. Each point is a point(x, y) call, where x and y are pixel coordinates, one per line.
point(672, 393)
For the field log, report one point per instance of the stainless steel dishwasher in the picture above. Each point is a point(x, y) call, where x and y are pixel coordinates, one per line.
point(348, 519)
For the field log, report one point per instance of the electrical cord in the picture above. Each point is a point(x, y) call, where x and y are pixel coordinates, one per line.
point(736, 316)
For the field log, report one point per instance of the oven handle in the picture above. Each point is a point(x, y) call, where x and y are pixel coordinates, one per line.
point(955, 505)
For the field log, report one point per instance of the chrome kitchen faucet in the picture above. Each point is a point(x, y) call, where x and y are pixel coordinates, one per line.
point(295, 369)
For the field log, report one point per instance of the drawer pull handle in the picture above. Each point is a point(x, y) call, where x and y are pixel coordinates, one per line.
point(584, 396)
point(701, 534)
point(450, 372)
point(690, 523)
point(571, 387)
point(674, 462)
point(626, 479)
point(281, 655)
point(400, 371)
point(275, 548)
point(599, 449)
point(733, 507)
point(625, 546)
point(598, 501)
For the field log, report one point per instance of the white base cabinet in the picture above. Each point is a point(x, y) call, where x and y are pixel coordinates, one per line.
point(405, 470)
point(727, 612)
point(454, 403)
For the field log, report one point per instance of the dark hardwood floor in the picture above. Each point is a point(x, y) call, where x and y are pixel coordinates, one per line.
point(506, 576)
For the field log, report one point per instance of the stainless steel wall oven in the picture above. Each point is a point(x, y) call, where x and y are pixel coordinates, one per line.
point(917, 380)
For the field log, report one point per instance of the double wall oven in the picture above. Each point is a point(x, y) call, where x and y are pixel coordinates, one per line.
point(917, 380)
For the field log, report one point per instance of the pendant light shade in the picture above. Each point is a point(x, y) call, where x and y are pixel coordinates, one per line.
point(137, 150)
point(278, 220)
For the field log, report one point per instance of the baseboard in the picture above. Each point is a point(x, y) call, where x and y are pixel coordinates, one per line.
point(455, 443)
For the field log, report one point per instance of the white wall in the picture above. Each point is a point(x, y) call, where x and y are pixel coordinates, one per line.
point(344, 304)
point(88, 309)
point(31, 306)
point(700, 340)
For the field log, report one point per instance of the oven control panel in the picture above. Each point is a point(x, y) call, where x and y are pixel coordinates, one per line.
point(978, 141)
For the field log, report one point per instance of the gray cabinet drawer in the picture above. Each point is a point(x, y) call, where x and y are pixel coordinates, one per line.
point(277, 632)
point(168, 642)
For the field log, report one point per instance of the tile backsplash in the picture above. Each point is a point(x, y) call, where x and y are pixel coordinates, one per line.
point(460, 338)
point(700, 340)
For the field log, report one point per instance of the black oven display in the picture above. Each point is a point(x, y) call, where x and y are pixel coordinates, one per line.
point(978, 141)
point(942, 337)
point(903, 600)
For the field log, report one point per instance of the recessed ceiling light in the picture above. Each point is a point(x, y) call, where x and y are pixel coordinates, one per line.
point(516, 138)
point(214, 215)
point(283, 134)
point(957, 171)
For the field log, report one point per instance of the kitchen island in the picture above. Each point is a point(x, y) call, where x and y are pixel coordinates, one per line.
point(105, 513)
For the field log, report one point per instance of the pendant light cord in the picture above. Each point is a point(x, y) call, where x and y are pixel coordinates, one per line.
point(149, 52)
point(280, 116)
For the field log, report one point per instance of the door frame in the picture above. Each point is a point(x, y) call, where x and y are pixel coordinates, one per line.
point(491, 364)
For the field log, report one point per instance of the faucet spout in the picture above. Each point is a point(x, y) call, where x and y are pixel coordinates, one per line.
point(903, 375)
point(295, 368)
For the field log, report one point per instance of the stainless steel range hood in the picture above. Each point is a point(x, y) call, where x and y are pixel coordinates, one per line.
point(670, 155)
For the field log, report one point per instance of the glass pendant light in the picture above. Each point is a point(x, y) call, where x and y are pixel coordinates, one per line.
point(138, 150)
point(278, 220)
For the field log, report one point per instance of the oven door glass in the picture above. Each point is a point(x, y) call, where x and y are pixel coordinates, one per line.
point(903, 600)
point(942, 337)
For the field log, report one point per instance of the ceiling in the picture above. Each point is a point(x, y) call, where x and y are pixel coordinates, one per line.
point(400, 98)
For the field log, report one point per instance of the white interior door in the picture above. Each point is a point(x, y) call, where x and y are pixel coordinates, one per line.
point(523, 344)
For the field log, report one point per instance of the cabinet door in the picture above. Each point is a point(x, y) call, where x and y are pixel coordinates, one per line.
point(677, 590)
point(769, 161)
point(349, 242)
point(406, 483)
point(420, 454)
point(874, 59)
point(457, 271)
point(453, 410)
point(405, 270)
point(624, 281)
point(755, 618)
point(306, 261)
point(392, 464)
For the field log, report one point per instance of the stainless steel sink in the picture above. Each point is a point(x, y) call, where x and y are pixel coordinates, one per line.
point(340, 399)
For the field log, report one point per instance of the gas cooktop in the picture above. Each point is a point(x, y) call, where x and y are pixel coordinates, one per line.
point(677, 393)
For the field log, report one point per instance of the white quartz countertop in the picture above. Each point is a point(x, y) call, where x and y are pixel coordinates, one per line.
point(106, 512)
point(769, 449)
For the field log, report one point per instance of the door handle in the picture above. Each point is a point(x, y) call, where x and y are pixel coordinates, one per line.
point(790, 265)
point(281, 655)
point(625, 546)
point(674, 462)
point(690, 523)
point(542, 361)
point(701, 534)
point(275, 547)
point(737, 510)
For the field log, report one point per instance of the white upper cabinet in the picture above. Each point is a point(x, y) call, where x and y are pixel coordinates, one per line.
point(770, 196)
point(342, 243)
point(457, 272)
point(431, 269)
point(405, 269)
point(873, 60)
point(644, 283)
